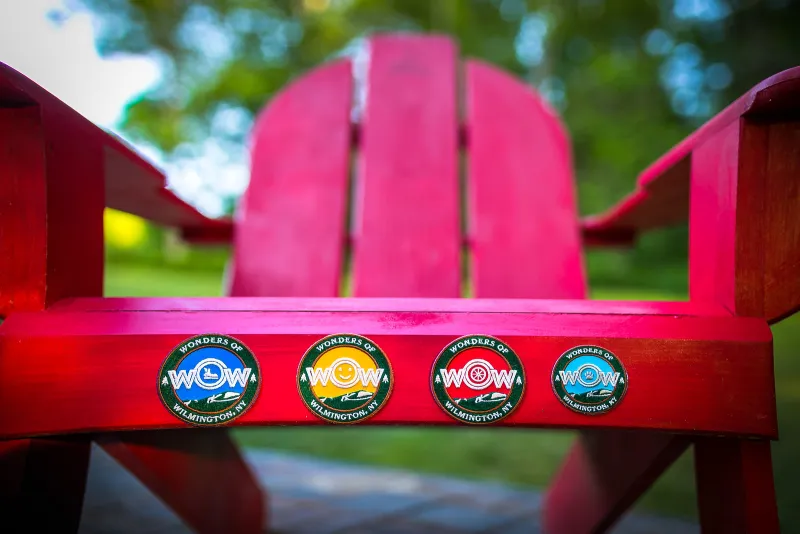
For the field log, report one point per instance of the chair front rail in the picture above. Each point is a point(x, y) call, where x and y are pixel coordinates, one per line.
point(83, 366)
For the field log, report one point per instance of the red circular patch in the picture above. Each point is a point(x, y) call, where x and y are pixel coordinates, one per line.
point(476, 373)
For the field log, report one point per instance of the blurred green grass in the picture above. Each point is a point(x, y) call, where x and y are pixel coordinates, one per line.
point(522, 457)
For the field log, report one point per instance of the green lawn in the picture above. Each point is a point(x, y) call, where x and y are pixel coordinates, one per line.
point(514, 456)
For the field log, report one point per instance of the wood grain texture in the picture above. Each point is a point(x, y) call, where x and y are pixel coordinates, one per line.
point(199, 473)
point(75, 203)
point(407, 237)
point(712, 237)
point(522, 214)
point(23, 206)
point(603, 475)
point(69, 353)
point(48, 253)
point(744, 244)
point(735, 488)
point(290, 224)
point(782, 230)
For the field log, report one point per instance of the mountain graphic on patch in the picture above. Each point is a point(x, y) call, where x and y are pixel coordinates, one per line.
point(593, 397)
point(348, 401)
point(482, 403)
point(217, 402)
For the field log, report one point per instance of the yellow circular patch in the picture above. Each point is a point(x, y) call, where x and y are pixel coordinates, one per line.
point(345, 365)
point(344, 378)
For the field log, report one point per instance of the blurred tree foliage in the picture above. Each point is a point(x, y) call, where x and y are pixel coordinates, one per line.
point(631, 78)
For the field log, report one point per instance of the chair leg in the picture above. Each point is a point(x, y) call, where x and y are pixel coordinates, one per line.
point(603, 475)
point(198, 473)
point(42, 483)
point(735, 487)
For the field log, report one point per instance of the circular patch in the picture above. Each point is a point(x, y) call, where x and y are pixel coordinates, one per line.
point(344, 378)
point(477, 379)
point(209, 380)
point(589, 380)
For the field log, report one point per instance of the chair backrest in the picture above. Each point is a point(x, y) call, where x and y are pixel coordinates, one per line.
point(414, 223)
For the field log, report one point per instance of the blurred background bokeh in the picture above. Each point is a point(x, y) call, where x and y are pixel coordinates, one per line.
point(630, 78)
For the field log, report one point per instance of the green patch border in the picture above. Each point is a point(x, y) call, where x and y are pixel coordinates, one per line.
point(443, 360)
point(560, 391)
point(381, 395)
point(174, 358)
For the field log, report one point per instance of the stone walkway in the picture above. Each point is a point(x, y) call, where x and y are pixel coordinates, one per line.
point(308, 495)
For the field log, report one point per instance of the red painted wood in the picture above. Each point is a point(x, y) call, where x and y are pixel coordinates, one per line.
point(196, 472)
point(23, 204)
point(48, 472)
point(51, 207)
point(56, 171)
point(523, 221)
point(781, 229)
point(290, 231)
point(68, 359)
point(406, 241)
point(585, 307)
point(51, 243)
point(131, 183)
point(774, 98)
point(735, 488)
point(712, 238)
point(603, 475)
point(744, 191)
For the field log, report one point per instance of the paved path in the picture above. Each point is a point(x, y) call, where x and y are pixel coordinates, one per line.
point(308, 495)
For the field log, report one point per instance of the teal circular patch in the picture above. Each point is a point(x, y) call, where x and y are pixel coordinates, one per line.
point(589, 380)
point(344, 378)
point(209, 380)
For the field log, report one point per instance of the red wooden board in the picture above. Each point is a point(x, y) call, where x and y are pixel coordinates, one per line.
point(712, 241)
point(131, 183)
point(735, 487)
point(659, 185)
point(523, 222)
point(97, 370)
point(606, 472)
point(23, 204)
point(782, 231)
point(407, 236)
point(54, 170)
point(181, 468)
point(744, 191)
point(290, 227)
point(496, 306)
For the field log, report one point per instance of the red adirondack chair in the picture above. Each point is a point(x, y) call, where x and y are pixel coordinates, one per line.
point(92, 362)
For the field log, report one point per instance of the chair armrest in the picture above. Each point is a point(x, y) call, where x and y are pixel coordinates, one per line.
point(661, 197)
point(132, 184)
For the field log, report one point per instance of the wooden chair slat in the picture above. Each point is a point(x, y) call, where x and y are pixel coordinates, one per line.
point(523, 222)
point(290, 231)
point(407, 236)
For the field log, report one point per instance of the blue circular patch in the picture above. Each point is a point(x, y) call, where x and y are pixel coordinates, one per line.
point(209, 380)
